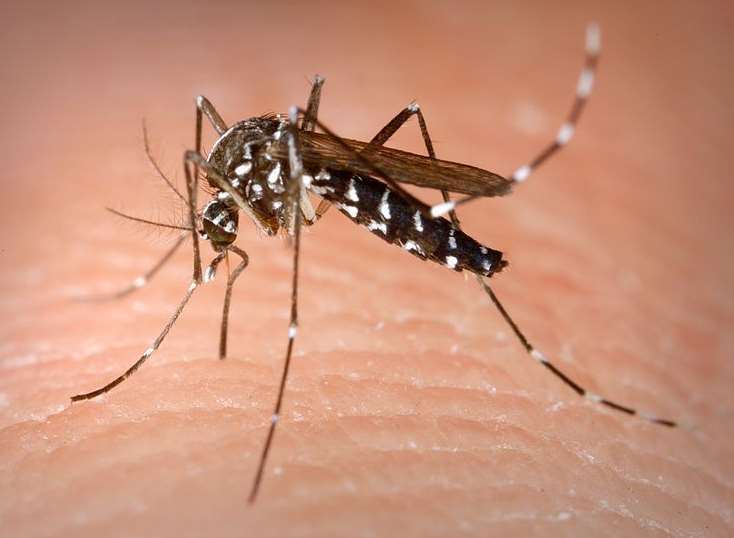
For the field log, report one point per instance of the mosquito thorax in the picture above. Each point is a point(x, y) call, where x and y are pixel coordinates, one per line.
point(243, 156)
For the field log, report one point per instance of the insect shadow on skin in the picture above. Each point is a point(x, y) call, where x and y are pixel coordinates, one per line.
point(267, 166)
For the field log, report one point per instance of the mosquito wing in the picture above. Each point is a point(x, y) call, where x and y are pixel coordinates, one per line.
point(322, 151)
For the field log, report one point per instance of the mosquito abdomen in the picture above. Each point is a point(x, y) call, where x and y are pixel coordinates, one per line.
point(387, 214)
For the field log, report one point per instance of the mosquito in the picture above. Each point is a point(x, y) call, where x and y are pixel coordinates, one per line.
point(267, 166)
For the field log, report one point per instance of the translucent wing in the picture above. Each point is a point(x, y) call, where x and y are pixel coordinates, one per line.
point(322, 151)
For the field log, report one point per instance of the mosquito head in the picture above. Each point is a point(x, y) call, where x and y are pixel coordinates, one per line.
point(219, 221)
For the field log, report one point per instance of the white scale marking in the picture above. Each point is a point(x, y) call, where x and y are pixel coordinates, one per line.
point(486, 266)
point(220, 217)
point(277, 205)
point(374, 225)
point(256, 188)
point(586, 83)
point(292, 330)
point(412, 245)
point(414, 107)
point(323, 175)
point(417, 221)
point(148, 352)
point(351, 193)
point(451, 261)
point(452, 239)
point(522, 173)
point(139, 282)
point(593, 39)
point(351, 210)
point(384, 205)
point(243, 169)
point(565, 133)
point(593, 397)
point(441, 209)
point(322, 190)
point(274, 174)
point(538, 356)
point(209, 274)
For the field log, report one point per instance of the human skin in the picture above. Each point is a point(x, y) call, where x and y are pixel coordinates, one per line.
point(410, 409)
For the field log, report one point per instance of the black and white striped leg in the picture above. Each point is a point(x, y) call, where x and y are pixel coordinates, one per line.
point(295, 188)
point(146, 354)
point(191, 186)
point(578, 389)
point(143, 279)
point(380, 139)
point(228, 296)
point(567, 129)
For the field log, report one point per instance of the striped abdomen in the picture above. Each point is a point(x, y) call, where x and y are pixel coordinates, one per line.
point(372, 204)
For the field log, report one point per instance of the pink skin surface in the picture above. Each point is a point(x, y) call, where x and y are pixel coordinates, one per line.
point(411, 409)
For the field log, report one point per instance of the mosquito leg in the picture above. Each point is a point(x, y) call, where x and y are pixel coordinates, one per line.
point(380, 139)
point(146, 354)
point(192, 186)
point(583, 90)
point(565, 133)
point(310, 217)
point(312, 109)
point(296, 180)
point(309, 124)
point(542, 359)
point(367, 163)
point(323, 207)
point(396, 123)
point(143, 279)
point(228, 298)
point(204, 106)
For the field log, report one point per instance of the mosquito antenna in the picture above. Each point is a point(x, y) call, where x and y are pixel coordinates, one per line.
point(146, 221)
point(152, 160)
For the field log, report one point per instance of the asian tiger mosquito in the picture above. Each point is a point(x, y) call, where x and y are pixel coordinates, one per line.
point(266, 166)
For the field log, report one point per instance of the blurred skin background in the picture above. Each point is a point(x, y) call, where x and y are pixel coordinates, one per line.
point(411, 409)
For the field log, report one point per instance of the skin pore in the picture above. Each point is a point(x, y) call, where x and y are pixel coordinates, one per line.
point(410, 406)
